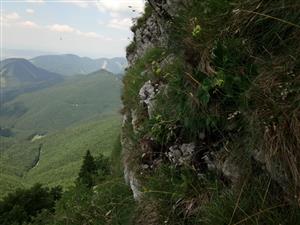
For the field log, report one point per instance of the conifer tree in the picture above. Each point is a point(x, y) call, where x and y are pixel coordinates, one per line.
point(88, 171)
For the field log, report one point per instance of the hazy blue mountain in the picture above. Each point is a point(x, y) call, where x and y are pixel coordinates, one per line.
point(19, 76)
point(73, 65)
point(22, 53)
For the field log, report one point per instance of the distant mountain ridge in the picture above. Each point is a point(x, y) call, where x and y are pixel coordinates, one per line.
point(19, 76)
point(78, 98)
point(70, 64)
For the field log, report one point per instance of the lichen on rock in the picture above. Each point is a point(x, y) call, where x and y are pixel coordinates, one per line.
point(181, 155)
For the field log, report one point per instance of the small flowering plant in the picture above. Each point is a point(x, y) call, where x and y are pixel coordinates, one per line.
point(196, 27)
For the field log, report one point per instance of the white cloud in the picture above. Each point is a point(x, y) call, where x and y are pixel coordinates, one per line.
point(101, 22)
point(113, 7)
point(35, 1)
point(61, 28)
point(114, 14)
point(120, 5)
point(80, 3)
point(12, 16)
point(87, 34)
point(8, 19)
point(29, 24)
point(120, 23)
point(30, 11)
point(91, 35)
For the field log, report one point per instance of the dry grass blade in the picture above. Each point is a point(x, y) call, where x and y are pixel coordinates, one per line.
point(272, 17)
point(237, 202)
point(260, 212)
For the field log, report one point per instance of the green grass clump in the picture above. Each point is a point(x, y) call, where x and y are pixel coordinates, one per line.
point(135, 78)
point(180, 196)
point(258, 201)
point(172, 189)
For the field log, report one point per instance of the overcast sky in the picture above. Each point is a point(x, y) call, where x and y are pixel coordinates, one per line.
point(93, 28)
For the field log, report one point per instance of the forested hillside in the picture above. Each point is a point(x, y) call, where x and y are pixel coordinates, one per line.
point(44, 134)
point(211, 124)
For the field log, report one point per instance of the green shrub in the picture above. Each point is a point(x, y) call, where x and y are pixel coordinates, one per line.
point(20, 206)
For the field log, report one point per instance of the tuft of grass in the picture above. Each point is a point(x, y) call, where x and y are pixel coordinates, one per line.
point(257, 201)
point(137, 75)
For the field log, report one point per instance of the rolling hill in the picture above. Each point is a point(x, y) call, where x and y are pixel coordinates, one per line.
point(19, 76)
point(44, 134)
point(75, 100)
point(69, 64)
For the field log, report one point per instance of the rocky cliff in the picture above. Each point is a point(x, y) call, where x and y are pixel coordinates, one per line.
point(211, 128)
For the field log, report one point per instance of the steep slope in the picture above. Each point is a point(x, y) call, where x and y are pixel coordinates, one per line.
point(73, 65)
point(211, 113)
point(19, 76)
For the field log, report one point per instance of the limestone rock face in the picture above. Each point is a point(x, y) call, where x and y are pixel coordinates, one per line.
point(131, 180)
point(181, 154)
point(149, 35)
point(222, 163)
point(147, 95)
point(231, 170)
point(152, 33)
point(134, 120)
